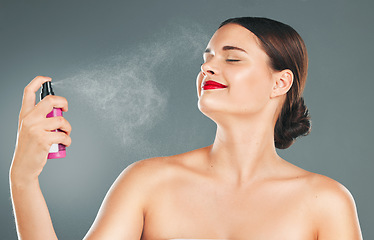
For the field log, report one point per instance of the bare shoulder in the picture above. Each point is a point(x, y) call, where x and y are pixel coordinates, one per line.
point(322, 188)
point(333, 207)
point(329, 193)
point(121, 215)
point(141, 173)
point(153, 170)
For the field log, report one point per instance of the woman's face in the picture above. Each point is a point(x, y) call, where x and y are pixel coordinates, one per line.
point(235, 59)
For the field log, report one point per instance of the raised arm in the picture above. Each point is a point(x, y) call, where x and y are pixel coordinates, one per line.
point(34, 140)
point(121, 214)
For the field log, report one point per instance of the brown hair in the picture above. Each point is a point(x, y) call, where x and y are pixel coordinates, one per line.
point(286, 50)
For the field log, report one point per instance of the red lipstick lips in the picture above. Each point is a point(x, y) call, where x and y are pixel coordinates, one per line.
point(208, 85)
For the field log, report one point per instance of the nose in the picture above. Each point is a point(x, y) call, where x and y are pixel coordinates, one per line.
point(207, 68)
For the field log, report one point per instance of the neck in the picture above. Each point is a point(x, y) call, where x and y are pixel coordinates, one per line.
point(243, 151)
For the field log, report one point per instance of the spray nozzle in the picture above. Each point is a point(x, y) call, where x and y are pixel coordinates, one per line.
point(46, 90)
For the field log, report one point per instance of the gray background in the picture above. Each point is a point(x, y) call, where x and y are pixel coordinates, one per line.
point(155, 47)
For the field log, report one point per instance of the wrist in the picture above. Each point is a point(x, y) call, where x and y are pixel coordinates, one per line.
point(21, 180)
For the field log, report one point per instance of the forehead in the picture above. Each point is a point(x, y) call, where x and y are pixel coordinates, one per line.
point(234, 35)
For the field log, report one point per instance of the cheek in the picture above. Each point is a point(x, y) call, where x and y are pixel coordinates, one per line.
point(250, 87)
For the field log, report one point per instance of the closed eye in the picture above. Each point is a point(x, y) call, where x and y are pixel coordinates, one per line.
point(232, 60)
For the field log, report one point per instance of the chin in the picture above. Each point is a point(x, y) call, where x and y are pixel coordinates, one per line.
point(207, 104)
point(214, 108)
point(223, 112)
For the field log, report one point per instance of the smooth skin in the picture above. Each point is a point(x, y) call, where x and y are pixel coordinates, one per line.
point(236, 188)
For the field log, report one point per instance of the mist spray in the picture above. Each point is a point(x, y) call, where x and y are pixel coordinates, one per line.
point(56, 150)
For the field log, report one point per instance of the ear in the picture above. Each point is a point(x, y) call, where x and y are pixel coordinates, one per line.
point(283, 83)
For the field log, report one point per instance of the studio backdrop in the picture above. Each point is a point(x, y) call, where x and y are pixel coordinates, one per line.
point(128, 70)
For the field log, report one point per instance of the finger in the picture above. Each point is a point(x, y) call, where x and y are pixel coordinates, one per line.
point(28, 101)
point(49, 102)
point(54, 123)
point(59, 137)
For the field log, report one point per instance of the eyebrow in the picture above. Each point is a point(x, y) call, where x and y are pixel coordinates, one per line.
point(226, 48)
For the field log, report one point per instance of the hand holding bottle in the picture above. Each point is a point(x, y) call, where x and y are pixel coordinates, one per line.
point(36, 132)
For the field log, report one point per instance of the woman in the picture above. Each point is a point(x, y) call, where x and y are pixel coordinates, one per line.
point(251, 85)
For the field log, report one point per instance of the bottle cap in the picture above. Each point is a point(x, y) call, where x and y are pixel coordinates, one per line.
point(46, 90)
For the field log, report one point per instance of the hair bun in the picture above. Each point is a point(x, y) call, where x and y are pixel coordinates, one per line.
point(292, 123)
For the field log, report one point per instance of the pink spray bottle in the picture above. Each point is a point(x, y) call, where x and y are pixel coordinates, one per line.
point(56, 150)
